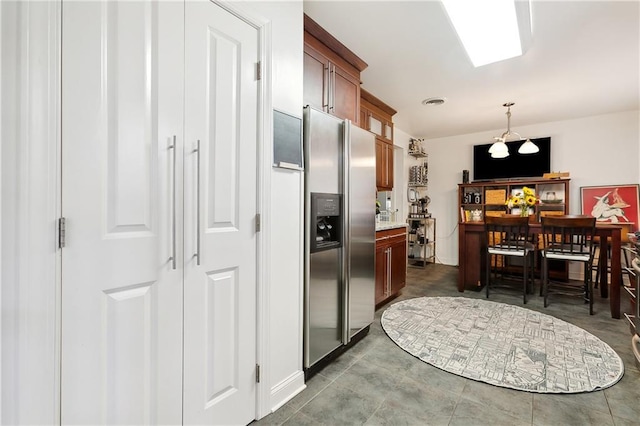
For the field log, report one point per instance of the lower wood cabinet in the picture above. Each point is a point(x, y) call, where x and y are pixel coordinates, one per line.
point(391, 263)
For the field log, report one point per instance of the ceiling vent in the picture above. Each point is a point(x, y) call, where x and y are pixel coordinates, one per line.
point(434, 101)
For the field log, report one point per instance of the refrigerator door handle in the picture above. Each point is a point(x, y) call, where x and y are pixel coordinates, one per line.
point(346, 246)
point(174, 148)
point(306, 350)
point(197, 254)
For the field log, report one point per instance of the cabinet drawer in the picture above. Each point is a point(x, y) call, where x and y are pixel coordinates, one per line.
point(391, 235)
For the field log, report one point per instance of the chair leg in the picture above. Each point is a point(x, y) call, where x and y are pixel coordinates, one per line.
point(533, 273)
point(525, 269)
point(597, 253)
point(625, 256)
point(545, 281)
point(589, 287)
point(542, 276)
point(488, 273)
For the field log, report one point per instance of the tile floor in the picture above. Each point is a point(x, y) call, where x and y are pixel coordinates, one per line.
point(377, 383)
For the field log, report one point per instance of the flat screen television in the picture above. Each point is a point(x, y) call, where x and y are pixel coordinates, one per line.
point(515, 165)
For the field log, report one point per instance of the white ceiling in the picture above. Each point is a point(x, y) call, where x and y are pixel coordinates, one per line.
point(584, 60)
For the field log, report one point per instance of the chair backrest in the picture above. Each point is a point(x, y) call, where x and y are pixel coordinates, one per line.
point(568, 234)
point(506, 232)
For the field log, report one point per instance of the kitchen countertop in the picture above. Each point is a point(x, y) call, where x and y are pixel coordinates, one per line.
point(382, 225)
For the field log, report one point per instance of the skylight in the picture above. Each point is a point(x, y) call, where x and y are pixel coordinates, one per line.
point(488, 29)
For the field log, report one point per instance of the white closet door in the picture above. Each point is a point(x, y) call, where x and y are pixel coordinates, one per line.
point(221, 106)
point(122, 65)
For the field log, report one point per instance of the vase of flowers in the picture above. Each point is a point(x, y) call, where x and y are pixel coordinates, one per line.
point(522, 200)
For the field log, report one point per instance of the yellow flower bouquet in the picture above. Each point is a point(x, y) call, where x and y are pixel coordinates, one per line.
point(522, 200)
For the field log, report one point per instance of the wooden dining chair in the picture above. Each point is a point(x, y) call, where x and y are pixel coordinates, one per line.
point(627, 254)
point(508, 236)
point(568, 238)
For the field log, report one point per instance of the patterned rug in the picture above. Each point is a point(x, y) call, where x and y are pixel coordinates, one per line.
point(503, 345)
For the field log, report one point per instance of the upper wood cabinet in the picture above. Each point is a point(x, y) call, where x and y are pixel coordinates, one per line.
point(331, 74)
point(376, 117)
point(384, 165)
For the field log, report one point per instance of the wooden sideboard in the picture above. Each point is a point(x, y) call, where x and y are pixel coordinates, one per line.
point(489, 198)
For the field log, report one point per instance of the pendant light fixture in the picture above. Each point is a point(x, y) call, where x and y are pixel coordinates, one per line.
point(499, 148)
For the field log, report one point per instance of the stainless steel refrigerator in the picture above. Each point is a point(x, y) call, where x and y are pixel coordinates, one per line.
point(340, 195)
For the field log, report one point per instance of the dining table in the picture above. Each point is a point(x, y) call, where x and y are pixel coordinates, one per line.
point(610, 233)
point(610, 241)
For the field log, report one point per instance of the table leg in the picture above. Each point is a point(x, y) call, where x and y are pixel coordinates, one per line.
point(616, 272)
point(603, 261)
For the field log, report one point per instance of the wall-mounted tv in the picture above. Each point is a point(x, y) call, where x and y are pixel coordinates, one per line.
point(515, 165)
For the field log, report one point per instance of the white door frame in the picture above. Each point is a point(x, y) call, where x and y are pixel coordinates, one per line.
point(30, 163)
point(264, 160)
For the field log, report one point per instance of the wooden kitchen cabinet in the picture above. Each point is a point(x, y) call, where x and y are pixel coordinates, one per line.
point(398, 265)
point(331, 81)
point(376, 117)
point(384, 165)
point(381, 272)
point(315, 79)
point(391, 263)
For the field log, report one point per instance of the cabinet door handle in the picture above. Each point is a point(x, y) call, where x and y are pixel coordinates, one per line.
point(197, 254)
point(386, 277)
point(325, 71)
point(332, 78)
point(389, 271)
point(173, 205)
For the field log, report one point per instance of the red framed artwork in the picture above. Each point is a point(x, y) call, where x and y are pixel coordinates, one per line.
point(612, 204)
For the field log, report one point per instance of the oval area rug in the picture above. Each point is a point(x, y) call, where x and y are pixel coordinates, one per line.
point(503, 345)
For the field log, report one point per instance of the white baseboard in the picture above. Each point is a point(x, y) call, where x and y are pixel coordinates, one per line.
point(286, 390)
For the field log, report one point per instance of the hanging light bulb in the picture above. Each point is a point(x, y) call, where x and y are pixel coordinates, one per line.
point(528, 148)
point(499, 148)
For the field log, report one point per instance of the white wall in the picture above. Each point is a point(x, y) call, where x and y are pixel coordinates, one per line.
point(401, 172)
point(282, 359)
point(598, 150)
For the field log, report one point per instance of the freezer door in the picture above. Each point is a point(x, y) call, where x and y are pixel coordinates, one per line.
point(323, 152)
point(324, 312)
point(324, 288)
point(360, 198)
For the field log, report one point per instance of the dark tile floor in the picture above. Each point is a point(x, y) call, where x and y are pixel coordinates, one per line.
point(377, 383)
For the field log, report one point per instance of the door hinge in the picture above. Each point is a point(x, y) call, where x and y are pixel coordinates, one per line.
point(257, 373)
point(259, 71)
point(61, 232)
point(258, 224)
